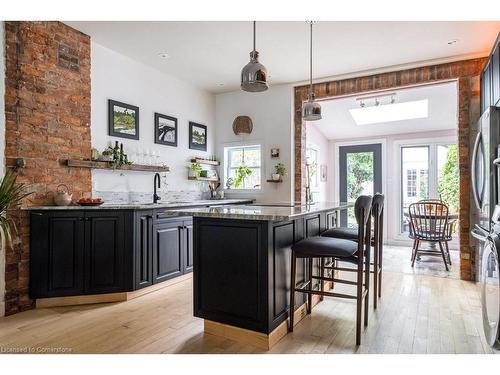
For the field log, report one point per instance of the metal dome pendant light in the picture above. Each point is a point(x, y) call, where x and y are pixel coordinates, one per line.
point(254, 74)
point(311, 110)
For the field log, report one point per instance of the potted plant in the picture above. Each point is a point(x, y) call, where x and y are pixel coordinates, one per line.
point(11, 195)
point(241, 174)
point(230, 182)
point(280, 171)
point(195, 170)
point(107, 154)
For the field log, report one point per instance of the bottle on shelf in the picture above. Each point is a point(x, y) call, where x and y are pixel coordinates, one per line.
point(116, 150)
point(121, 153)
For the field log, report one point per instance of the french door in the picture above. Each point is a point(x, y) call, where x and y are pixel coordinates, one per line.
point(428, 171)
point(360, 173)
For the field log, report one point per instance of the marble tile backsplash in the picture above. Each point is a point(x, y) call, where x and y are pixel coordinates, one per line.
point(117, 197)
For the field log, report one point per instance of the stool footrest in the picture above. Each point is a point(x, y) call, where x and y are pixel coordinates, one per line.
point(327, 294)
point(335, 280)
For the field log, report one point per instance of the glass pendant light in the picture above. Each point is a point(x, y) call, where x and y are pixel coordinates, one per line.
point(254, 74)
point(311, 110)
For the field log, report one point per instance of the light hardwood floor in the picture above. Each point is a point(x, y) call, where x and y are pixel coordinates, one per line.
point(417, 314)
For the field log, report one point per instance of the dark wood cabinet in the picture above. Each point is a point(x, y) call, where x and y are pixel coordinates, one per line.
point(163, 247)
point(143, 253)
point(78, 252)
point(105, 252)
point(167, 250)
point(188, 248)
point(490, 79)
point(495, 75)
point(94, 251)
point(57, 254)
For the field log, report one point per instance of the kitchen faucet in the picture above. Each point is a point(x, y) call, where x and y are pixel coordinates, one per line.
point(156, 197)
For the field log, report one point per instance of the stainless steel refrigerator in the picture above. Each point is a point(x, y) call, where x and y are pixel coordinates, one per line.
point(484, 173)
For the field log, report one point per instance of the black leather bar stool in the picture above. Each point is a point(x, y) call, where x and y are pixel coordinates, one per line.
point(376, 242)
point(357, 252)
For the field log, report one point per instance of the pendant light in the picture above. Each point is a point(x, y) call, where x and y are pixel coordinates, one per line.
point(254, 74)
point(311, 110)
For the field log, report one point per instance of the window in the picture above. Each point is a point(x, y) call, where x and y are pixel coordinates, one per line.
point(411, 176)
point(312, 163)
point(248, 156)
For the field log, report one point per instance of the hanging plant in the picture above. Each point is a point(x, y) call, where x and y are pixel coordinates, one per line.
point(241, 174)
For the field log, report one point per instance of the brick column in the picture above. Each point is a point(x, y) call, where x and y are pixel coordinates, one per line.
point(47, 109)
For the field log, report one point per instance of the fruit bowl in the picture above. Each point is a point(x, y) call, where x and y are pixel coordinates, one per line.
point(90, 201)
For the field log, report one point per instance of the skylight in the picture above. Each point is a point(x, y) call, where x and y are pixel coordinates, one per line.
point(391, 112)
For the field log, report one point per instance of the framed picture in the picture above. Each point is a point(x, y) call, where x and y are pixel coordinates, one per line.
point(197, 136)
point(165, 130)
point(123, 120)
point(323, 174)
point(275, 152)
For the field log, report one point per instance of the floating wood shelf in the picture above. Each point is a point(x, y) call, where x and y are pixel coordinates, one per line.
point(275, 181)
point(205, 161)
point(109, 165)
point(203, 179)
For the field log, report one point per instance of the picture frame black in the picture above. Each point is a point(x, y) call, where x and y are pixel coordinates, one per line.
point(160, 134)
point(197, 136)
point(113, 130)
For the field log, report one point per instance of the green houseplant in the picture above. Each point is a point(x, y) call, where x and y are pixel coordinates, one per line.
point(241, 175)
point(11, 195)
point(195, 169)
point(280, 171)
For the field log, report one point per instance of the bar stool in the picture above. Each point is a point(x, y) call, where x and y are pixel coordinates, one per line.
point(325, 247)
point(376, 242)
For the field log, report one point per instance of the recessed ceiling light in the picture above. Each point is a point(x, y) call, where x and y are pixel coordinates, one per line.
point(163, 55)
point(453, 41)
point(391, 112)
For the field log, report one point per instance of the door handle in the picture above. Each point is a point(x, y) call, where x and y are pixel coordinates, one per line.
point(479, 234)
point(473, 171)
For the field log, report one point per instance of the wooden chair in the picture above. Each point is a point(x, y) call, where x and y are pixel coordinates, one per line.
point(357, 252)
point(376, 242)
point(429, 222)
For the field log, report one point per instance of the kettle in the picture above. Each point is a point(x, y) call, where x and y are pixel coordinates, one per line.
point(62, 197)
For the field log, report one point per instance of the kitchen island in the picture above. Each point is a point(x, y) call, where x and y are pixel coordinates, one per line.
point(241, 263)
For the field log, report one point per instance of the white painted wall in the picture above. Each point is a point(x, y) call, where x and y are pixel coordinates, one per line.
point(390, 172)
point(318, 141)
point(2, 152)
point(271, 114)
point(115, 76)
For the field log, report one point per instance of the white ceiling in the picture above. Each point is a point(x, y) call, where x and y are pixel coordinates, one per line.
point(210, 55)
point(337, 122)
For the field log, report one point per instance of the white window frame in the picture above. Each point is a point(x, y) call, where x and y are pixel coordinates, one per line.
point(315, 148)
point(225, 166)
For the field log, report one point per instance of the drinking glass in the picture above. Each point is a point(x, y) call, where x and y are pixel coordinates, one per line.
point(138, 155)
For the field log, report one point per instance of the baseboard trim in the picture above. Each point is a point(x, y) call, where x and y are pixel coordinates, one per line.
point(107, 297)
point(259, 339)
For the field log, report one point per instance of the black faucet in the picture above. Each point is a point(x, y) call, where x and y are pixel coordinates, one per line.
point(156, 197)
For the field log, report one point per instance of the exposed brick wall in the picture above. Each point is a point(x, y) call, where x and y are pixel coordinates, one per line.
point(47, 108)
point(465, 72)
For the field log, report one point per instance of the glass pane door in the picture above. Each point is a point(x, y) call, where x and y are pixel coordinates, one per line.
point(414, 179)
point(360, 174)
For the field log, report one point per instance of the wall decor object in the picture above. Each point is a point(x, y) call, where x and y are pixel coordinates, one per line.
point(123, 120)
point(323, 173)
point(197, 136)
point(165, 130)
point(275, 152)
point(242, 124)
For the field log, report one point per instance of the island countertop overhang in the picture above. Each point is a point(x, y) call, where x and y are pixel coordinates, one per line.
point(260, 213)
